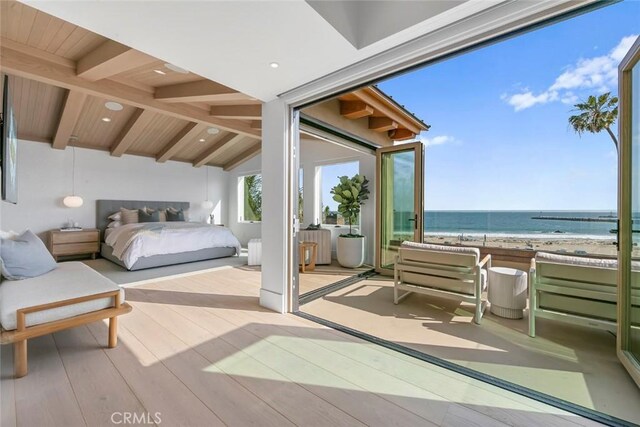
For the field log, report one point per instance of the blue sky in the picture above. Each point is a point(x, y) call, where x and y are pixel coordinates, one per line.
point(500, 137)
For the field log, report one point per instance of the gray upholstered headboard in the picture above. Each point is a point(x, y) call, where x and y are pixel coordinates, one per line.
point(104, 208)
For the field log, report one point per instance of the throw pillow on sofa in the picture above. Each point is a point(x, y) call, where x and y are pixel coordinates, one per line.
point(25, 256)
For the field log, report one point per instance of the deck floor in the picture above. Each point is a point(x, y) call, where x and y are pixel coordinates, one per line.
point(574, 363)
point(198, 350)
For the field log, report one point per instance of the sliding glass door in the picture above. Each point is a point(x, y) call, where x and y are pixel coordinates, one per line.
point(629, 207)
point(399, 196)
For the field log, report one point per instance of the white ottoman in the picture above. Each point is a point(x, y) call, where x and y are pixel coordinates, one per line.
point(255, 252)
point(507, 292)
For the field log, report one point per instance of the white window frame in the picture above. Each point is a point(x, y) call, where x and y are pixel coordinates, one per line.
point(240, 200)
point(318, 188)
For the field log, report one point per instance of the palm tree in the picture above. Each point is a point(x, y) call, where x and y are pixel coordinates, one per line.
point(596, 115)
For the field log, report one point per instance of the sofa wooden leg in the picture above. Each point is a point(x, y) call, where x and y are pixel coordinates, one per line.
point(20, 358)
point(113, 332)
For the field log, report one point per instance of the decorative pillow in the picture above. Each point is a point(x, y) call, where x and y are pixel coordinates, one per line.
point(116, 216)
point(114, 224)
point(129, 216)
point(149, 216)
point(161, 212)
point(8, 234)
point(175, 215)
point(24, 257)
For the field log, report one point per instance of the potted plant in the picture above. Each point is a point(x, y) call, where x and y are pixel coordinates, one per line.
point(351, 193)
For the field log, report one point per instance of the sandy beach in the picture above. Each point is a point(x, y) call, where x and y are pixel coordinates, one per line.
point(573, 245)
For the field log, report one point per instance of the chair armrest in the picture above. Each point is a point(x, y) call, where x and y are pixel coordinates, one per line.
point(22, 312)
point(485, 260)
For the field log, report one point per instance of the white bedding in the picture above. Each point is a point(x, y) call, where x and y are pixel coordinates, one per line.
point(133, 241)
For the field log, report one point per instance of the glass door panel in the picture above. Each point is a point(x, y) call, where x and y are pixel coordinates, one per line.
point(400, 201)
point(629, 204)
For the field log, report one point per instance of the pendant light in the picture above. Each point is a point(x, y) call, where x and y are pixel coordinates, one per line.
point(207, 204)
point(73, 201)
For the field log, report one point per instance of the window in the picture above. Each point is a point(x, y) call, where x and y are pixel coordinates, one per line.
point(329, 177)
point(250, 198)
point(301, 195)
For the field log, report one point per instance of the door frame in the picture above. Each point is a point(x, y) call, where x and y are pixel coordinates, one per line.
point(418, 196)
point(625, 191)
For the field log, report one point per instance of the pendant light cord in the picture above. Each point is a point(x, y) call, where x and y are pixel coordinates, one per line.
point(206, 197)
point(73, 173)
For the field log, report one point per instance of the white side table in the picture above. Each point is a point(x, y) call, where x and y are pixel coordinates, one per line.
point(507, 292)
point(255, 252)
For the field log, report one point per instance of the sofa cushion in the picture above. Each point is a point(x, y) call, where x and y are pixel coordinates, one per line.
point(438, 250)
point(25, 256)
point(69, 280)
point(575, 260)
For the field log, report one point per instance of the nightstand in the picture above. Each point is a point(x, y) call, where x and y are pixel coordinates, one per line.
point(67, 243)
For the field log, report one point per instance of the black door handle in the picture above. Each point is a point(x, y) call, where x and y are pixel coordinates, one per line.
point(415, 221)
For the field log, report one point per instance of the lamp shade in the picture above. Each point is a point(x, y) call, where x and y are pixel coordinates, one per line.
point(207, 204)
point(73, 201)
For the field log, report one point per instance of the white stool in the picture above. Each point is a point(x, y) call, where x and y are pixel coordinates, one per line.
point(255, 252)
point(507, 292)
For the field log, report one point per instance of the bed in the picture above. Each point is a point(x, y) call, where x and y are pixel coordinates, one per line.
point(157, 244)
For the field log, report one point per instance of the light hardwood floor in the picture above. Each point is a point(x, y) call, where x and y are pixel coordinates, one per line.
point(573, 363)
point(199, 351)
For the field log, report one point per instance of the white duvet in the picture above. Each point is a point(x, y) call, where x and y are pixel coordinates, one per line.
point(133, 241)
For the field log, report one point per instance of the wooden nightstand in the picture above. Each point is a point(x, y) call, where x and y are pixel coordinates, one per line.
point(66, 243)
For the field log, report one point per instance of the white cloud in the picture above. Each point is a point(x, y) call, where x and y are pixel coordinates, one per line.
point(599, 73)
point(437, 140)
point(527, 99)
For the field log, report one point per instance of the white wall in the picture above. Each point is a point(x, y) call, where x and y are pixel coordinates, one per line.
point(312, 154)
point(45, 178)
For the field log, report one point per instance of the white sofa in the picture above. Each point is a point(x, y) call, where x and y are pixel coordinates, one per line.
point(70, 295)
point(578, 290)
point(445, 271)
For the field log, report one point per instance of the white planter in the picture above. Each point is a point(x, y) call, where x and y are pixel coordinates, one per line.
point(351, 251)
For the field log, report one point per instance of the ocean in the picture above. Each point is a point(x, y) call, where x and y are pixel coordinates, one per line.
point(515, 223)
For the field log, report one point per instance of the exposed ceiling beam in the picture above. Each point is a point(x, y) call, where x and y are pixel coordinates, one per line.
point(384, 108)
point(198, 91)
point(23, 64)
point(243, 157)
point(382, 124)
point(401, 134)
point(180, 140)
point(131, 131)
point(355, 109)
point(256, 124)
point(250, 112)
point(210, 153)
point(110, 58)
point(73, 103)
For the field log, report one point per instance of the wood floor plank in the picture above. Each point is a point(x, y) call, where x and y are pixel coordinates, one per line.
point(295, 402)
point(231, 402)
point(366, 407)
point(100, 389)
point(508, 407)
point(156, 387)
point(7, 392)
point(44, 397)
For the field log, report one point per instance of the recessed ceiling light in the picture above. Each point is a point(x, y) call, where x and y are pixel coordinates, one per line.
point(274, 65)
point(176, 69)
point(113, 106)
point(202, 140)
point(106, 119)
point(213, 131)
point(162, 73)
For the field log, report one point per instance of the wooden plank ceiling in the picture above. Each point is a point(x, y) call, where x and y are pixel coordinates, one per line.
point(62, 77)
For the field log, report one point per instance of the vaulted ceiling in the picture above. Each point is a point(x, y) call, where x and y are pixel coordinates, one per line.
point(72, 87)
point(62, 76)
